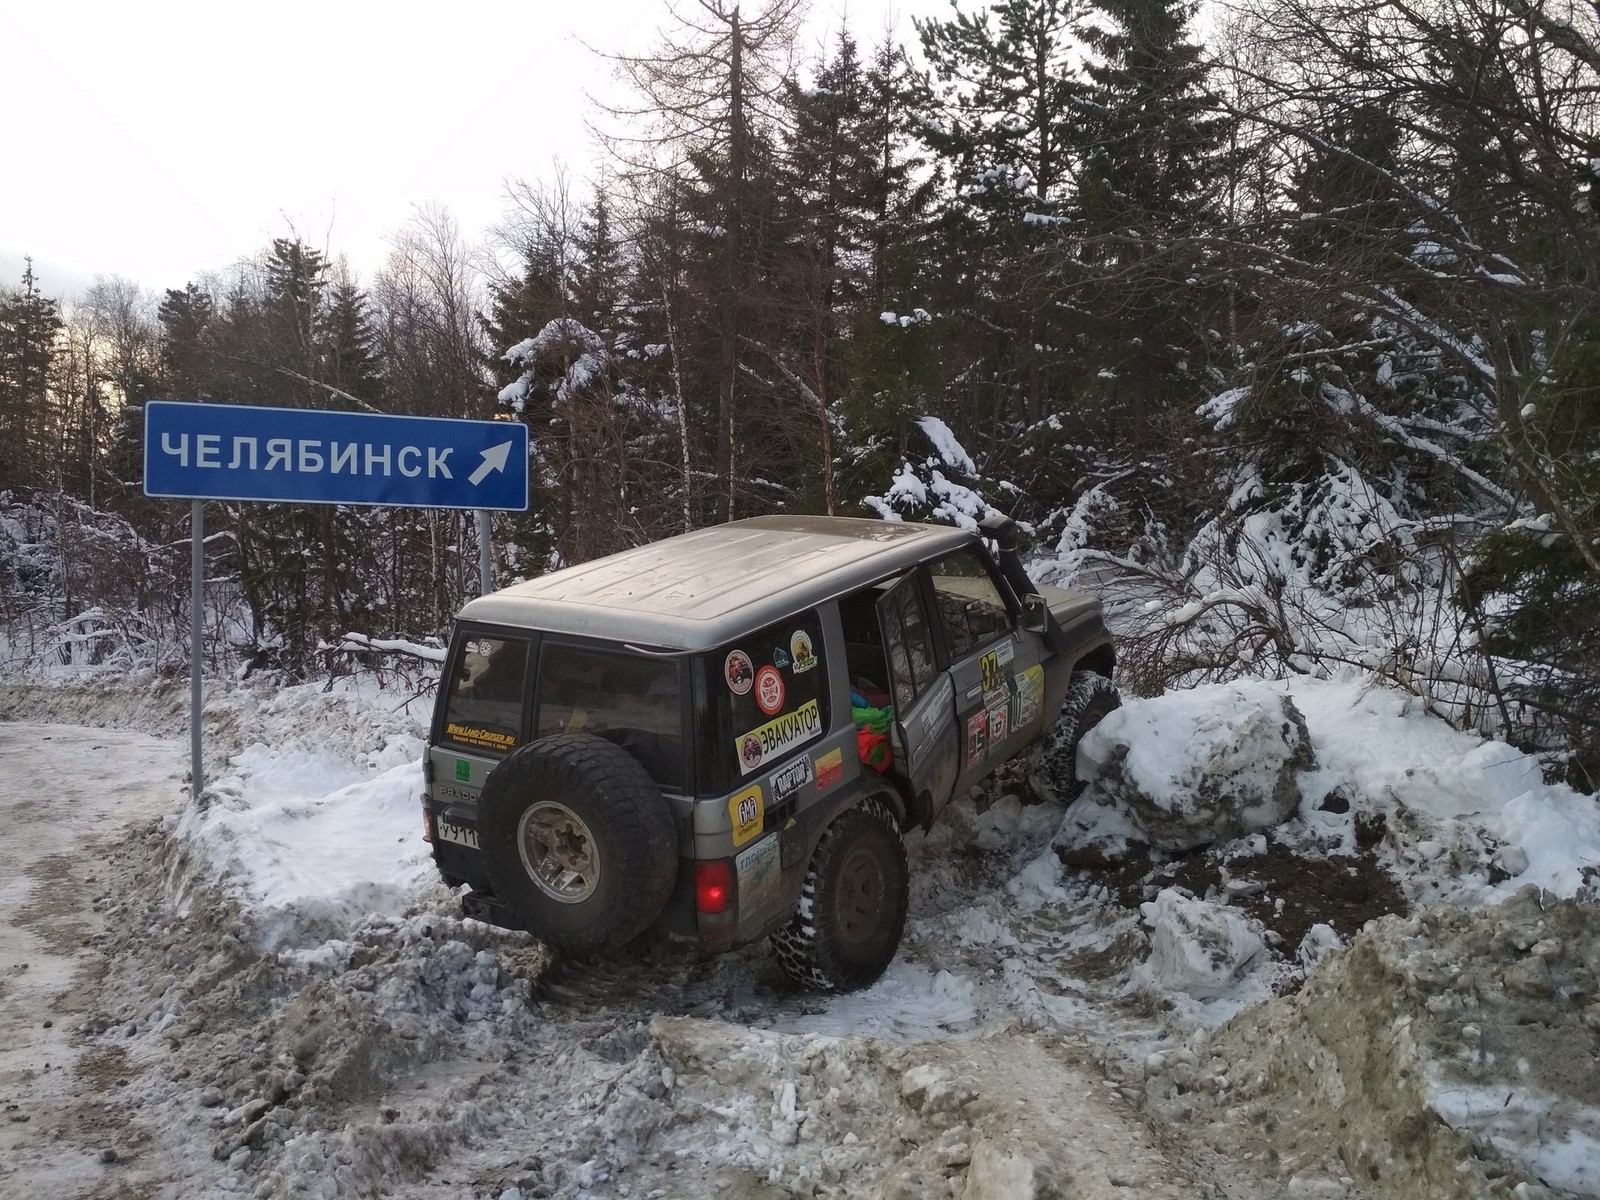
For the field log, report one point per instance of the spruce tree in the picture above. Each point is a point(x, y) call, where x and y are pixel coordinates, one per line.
point(1155, 149)
point(30, 323)
point(1000, 106)
point(186, 355)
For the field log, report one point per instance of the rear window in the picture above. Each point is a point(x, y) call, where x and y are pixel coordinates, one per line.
point(630, 699)
point(767, 697)
point(483, 708)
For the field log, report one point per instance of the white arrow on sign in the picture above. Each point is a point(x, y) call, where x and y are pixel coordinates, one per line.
point(494, 459)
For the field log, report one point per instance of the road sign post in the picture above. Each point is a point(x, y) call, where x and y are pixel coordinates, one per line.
point(200, 452)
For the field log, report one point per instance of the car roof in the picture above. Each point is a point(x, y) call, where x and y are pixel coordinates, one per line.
point(701, 589)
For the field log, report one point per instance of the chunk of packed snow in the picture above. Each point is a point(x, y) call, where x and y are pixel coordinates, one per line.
point(1197, 766)
point(1199, 948)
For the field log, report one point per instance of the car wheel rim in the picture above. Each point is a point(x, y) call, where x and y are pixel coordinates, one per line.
point(863, 892)
point(558, 852)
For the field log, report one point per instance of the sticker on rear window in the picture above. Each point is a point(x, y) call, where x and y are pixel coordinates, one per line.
point(800, 651)
point(484, 739)
point(738, 671)
point(769, 690)
point(779, 735)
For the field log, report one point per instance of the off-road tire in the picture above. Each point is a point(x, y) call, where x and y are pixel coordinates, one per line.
point(852, 908)
point(626, 831)
point(1053, 764)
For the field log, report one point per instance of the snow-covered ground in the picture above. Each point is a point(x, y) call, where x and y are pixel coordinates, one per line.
point(284, 1000)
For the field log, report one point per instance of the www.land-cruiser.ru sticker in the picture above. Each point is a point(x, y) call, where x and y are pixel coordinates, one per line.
point(778, 735)
point(483, 739)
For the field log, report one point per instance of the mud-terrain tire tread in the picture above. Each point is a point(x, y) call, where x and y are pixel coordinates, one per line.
point(802, 948)
point(625, 812)
point(1053, 764)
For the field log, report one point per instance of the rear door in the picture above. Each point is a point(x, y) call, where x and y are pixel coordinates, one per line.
point(924, 699)
point(482, 716)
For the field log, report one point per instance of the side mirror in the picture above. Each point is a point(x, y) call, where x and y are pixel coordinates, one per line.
point(1035, 613)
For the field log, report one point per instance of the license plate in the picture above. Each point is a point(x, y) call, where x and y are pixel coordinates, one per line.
point(461, 835)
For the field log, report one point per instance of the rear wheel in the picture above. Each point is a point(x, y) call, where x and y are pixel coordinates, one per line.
point(852, 908)
point(1053, 765)
point(578, 842)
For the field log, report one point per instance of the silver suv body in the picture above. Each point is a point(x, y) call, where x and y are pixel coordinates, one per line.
point(768, 676)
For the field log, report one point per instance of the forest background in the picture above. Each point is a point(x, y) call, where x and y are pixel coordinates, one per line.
point(1291, 339)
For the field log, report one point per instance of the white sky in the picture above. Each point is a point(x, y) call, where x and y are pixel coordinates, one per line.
point(157, 139)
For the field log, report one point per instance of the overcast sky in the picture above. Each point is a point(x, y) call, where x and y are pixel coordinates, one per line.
point(157, 139)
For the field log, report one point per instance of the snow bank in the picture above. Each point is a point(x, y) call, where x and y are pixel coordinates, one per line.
point(306, 845)
point(1459, 810)
point(317, 824)
point(1453, 801)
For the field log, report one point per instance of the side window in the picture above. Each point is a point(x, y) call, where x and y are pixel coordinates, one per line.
point(484, 707)
point(908, 644)
point(970, 605)
point(629, 699)
point(776, 684)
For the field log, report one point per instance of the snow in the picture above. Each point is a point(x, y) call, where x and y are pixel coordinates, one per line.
point(307, 848)
point(581, 354)
point(946, 445)
point(308, 841)
point(1222, 409)
point(1202, 949)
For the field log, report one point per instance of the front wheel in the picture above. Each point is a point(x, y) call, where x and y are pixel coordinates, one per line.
point(852, 908)
point(1053, 765)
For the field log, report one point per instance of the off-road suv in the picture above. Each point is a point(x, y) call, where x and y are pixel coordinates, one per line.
point(721, 736)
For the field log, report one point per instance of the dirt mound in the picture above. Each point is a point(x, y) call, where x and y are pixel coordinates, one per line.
point(1442, 1055)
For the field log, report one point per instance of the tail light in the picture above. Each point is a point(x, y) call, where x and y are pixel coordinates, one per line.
point(713, 886)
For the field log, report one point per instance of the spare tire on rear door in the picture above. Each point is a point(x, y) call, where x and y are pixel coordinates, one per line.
point(578, 842)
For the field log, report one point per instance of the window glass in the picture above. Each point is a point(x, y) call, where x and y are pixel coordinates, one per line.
point(483, 710)
point(630, 699)
point(768, 697)
point(970, 605)
point(908, 644)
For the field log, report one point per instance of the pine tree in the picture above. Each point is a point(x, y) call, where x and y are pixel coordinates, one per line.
point(347, 346)
point(293, 309)
point(30, 323)
point(711, 96)
point(830, 198)
point(1000, 106)
point(1155, 149)
point(188, 368)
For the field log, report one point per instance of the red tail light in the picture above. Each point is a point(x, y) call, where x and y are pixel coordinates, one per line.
point(713, 886)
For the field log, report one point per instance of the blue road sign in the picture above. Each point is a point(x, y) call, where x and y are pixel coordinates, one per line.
point(234, 452)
